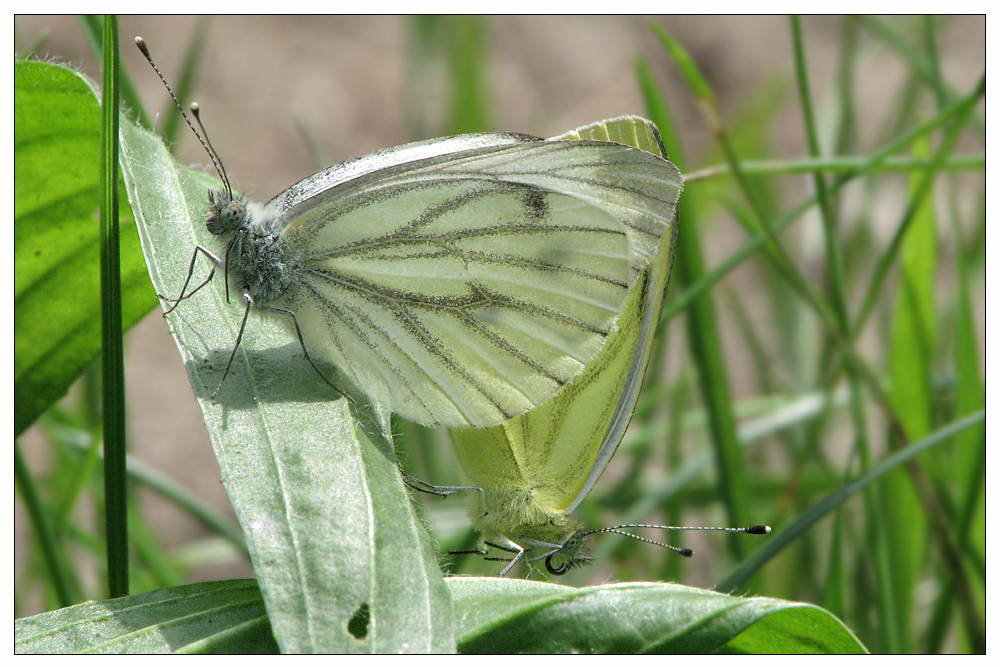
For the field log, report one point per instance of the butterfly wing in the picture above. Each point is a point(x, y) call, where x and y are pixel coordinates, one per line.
point(465, 287)
point(535, 469)
point(620, 370)
point(357, 173)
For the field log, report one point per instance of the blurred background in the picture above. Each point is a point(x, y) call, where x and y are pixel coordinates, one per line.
point(283, 96)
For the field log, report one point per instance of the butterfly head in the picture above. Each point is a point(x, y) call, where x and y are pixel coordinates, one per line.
point(568, 557)
point(226, 213)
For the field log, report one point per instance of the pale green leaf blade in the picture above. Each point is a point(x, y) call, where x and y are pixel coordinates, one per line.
point(312, 478)
point(911, 354)
point(208, 617)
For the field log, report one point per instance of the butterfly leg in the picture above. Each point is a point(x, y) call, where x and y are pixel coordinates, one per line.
point(239, 338)
point(305, 351)
point(511, 548)
point(187, 281)
point(518, 555)
point(243, 324)
point(442, 491)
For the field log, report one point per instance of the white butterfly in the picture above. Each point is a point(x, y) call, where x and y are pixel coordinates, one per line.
point(458, 281)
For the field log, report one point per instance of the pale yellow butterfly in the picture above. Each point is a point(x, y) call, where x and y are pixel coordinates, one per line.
point(530, 473)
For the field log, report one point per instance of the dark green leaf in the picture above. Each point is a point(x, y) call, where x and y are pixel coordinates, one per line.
point(57, 320)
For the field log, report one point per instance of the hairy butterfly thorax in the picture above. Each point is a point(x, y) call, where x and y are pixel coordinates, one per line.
point(255, 261)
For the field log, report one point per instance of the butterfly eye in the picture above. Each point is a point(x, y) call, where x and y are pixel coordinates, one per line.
point(234, 214)
point(225, 216)
point(572, 545)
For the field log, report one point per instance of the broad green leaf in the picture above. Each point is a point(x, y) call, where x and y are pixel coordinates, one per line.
point(516, 616)
point(312, 475)
point(57, 317)
point(493, 616)
point(209, 617)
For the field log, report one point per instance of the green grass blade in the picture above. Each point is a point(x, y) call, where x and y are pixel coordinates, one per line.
point(835, 268)
point(970, 395)
point(112, 348)
point(840, 164)
point(93, 31)
point(933, 59)
point(319, 156)
point(466, 55)
point(836, 281)
point(777, 542)
point(41, 522)
point(911, 351)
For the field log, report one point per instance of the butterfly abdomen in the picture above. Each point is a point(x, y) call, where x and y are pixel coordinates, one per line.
point(515, 511)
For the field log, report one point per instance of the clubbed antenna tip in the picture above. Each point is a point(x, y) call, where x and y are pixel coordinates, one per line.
point(203, 136)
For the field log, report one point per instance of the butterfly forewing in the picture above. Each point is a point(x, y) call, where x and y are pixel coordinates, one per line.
point(465, 289)
point(360, 172)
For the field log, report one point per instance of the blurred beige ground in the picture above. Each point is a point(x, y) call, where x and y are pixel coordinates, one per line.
point(344, 78)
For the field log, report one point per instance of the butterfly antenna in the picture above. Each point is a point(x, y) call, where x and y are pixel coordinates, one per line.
point(216, 160)
point(203, 140)
point(687, 553)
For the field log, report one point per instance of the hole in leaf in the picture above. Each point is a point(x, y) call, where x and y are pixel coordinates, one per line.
point(358, 625)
